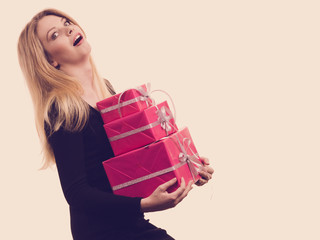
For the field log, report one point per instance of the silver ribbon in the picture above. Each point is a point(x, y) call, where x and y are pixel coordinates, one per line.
point(184, 158)
point(164, 117)
point(145, 96)
point(123, 104)
point(149, 176)
point(191, 160)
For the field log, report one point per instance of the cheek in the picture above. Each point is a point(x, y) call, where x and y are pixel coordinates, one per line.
point(58, 48)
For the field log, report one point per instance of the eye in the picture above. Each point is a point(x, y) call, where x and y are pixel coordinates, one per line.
point(67, 23)
point(54, 35)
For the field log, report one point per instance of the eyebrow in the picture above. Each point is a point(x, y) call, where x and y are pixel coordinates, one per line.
point(62, 18)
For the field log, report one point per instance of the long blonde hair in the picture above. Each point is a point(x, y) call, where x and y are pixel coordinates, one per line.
point(52, 90)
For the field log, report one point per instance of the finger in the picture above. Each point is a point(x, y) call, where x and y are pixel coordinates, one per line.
point(207, 169)
point(205, 160)
point(168, 184)
point(210, 169)
point(186, 191)
point(180, 190)
point(205, 175)
point(189, 187)
point(201, 182)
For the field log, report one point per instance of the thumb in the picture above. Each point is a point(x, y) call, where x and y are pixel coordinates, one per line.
point(168, 184)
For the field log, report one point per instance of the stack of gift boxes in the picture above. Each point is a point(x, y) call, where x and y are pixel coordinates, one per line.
point(149, 149)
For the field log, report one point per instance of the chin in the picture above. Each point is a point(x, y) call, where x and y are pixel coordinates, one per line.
point(88, 47)
point(85, 49)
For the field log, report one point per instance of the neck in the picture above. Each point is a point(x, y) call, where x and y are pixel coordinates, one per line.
point(81, 71)
point(84, 74)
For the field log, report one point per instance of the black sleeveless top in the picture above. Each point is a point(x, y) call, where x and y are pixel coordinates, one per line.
point(95, 212)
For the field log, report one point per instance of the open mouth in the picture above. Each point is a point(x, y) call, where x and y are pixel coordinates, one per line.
point(77, 40)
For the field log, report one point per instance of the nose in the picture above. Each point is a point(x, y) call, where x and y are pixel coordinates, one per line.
point(69, 31)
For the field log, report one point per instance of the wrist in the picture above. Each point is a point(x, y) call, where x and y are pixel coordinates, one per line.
point(145, 205)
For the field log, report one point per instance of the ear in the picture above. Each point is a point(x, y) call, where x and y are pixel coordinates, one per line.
point(54, 63)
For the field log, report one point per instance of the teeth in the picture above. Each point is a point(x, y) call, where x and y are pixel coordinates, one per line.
point(76, 39)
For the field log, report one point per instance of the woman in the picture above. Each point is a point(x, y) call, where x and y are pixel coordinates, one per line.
point(54, 56)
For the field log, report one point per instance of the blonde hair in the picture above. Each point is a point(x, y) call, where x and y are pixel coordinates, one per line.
point(52, 91)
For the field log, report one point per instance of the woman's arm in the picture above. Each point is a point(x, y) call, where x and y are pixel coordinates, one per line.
point(69, 154)
point(160, 199)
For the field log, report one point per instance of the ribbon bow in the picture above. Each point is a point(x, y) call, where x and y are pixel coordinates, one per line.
point(164, 116)
point(146, 94)
point(190, 160)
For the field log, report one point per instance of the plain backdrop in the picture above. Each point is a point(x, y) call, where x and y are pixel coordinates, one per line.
point(244, 76)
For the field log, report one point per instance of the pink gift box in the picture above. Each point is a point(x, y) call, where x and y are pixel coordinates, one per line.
point(140, 129)
point(132, 101)
point(138, 173)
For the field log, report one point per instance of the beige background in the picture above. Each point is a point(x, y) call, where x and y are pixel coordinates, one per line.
point(244, 76)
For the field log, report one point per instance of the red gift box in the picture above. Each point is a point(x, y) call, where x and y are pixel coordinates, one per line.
point(131, 101)
point(138, 173)
point(140, 129)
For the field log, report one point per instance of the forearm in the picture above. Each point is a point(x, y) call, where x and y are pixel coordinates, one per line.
point(160, 199)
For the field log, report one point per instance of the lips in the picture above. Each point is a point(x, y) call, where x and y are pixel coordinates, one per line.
point(77, 39)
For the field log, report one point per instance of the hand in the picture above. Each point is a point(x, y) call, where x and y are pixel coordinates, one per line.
point(205, 172)
point(160, 199)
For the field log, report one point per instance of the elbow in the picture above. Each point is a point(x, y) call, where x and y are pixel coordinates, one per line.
point(75, 196)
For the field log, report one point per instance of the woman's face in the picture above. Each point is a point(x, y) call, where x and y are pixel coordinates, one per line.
point(64, 42)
